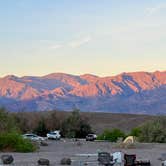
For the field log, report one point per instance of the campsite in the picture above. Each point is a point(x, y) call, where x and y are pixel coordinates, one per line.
point(141, 142)
point(82, 152)
point(82, 83)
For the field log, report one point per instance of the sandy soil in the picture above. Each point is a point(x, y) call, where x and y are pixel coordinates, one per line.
point(77, 151)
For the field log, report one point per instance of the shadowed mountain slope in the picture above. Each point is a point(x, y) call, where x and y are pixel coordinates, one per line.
point(137, 92)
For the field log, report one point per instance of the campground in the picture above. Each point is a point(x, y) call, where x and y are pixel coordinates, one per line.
point(84, 152)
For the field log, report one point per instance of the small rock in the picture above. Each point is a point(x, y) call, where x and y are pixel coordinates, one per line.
point(79, 143)
point(7, 159)
point(66, 161)
point(42, 161)
point(43, 143)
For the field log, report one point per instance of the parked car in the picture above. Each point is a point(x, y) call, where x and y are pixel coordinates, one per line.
point(95, 136)
point(33, 137)
point(54, 135)
point(91, 137)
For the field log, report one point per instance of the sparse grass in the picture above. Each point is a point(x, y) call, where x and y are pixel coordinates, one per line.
point(111, 135)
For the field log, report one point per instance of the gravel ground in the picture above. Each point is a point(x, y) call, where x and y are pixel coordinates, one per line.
point(76, 150)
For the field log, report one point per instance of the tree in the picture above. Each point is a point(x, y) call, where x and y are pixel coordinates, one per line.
point(84, 129)
point(41, 129)
point(75, 125)
point(10, 138)
point(154, 131)
point(111, 135)
point(7, 121)
point(21, 120)
point(52, 121)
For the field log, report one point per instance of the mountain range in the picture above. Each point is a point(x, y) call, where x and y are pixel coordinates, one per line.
point(136, 92)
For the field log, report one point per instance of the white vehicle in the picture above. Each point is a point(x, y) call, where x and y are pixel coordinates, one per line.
point(54, 135)
point(91, 137)
point(95, 136)
point(33, 137)
point(163, 163)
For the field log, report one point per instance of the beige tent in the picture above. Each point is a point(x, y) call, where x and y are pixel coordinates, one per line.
point(129, 140)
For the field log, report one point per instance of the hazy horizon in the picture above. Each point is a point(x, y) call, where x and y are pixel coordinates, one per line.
point(82, 74)
point(99, 37)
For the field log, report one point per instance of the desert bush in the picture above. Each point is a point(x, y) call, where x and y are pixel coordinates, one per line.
point(7, 121)
point(135, 132)
point(13, 141)
point(22, 121)
point(111, 135)
point(154, 131)
point(84, 130)
point(52, 120)
point(75, 126)
point(41, 129)
point(29, 121)
point(10, 139)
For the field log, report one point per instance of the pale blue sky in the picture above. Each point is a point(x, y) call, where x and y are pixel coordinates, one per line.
point(102, 37)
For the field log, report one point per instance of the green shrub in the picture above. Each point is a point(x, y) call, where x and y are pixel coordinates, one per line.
point(15, 142)
point(41, 129)
point(10, 139)
point(75, 126)
point(135, 132)
point(154, 131)
point(111, 135)
point(7, 121)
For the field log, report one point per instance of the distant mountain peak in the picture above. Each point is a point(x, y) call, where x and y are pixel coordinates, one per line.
point(13, 77)
point(89, 76)
point(135, 92)
point(53, 75)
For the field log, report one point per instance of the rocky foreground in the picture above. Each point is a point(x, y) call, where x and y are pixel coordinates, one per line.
point(78, 152)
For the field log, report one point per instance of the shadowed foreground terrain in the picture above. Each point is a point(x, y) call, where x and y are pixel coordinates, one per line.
point(56, 150)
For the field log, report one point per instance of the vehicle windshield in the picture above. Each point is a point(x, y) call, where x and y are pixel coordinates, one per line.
point(31, 135)
point(53, 133)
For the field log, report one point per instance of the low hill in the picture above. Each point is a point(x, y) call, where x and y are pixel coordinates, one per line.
point(125, 122)
point(98, 121)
